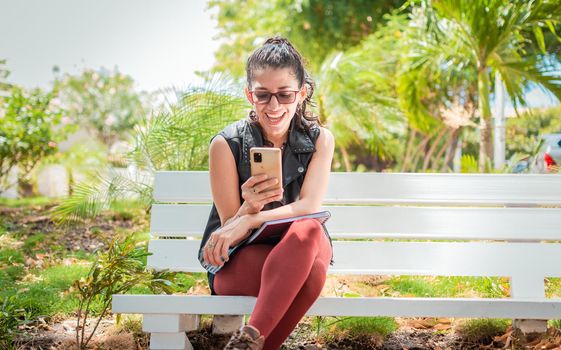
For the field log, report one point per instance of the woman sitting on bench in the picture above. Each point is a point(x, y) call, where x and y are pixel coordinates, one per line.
point(286, 277)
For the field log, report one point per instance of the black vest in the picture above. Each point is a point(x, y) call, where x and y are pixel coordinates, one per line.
point(297, 154)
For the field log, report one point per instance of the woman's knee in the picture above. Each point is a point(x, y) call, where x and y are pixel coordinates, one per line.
point(308, 230)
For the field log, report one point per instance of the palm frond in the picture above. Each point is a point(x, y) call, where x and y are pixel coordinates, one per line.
point(91, 197)
point(174, 137)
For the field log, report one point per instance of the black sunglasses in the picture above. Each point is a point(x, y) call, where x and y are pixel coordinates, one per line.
point(283, 97)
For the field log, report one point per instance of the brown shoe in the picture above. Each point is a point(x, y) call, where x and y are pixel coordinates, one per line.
point(247, 338)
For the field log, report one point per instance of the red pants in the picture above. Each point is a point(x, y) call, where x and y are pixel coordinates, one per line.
point(286, 278)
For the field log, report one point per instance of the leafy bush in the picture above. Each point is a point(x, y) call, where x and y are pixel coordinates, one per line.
point(102, 101)
point(523, 132)
point(29, 131)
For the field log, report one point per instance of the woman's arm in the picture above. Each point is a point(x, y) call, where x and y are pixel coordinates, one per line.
point(314, 187)
point(224, 182)
point(234, 217)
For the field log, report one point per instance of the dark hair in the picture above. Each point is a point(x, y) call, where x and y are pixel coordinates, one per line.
point(278, 52)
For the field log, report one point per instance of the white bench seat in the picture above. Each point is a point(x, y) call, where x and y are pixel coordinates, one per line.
point(382, 224)
point(335, 306)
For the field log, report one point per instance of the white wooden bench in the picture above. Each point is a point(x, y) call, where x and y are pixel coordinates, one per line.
point(484, 224)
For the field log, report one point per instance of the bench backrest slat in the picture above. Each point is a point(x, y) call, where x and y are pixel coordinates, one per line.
point(507, 215)
point(411, 188)
point(393, 222)
point(401, 258)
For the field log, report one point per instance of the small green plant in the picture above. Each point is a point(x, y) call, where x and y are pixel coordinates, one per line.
point(482, 330)
point(10, 317)
point(115, 271)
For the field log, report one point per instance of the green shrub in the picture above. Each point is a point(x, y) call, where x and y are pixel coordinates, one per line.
point(28, 131)
point(103, 101)
point(523, 132)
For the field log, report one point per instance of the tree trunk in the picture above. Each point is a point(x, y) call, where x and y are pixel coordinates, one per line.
point(346, 160)
point(433, 147)
point(412, 134)
point(486, 133)
point(450, 152)
point(440, 158)
point(421, 148)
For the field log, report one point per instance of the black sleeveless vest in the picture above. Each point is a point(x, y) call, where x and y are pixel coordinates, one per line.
point(297, 154)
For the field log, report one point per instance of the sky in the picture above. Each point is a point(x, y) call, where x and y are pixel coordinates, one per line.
point(159, 43)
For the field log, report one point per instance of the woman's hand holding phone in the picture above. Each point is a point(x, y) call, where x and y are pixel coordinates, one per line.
point(257, 192)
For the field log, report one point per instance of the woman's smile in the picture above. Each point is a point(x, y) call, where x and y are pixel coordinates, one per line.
point(275, 118)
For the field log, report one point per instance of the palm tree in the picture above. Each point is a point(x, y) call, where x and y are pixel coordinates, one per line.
point(357, 99)
point(492, 37)
point(175, 137)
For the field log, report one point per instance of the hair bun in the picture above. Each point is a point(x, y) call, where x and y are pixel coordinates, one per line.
point(277, 40)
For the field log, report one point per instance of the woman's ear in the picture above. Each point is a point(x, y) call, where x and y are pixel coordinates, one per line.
point(303, 93)
point(248, 95)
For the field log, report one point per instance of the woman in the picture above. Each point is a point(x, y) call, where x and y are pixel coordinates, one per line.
point(286, 277)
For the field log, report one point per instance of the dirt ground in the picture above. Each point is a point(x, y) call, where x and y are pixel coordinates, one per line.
point(61, 335)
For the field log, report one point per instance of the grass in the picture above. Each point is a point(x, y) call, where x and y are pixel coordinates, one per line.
point(482, 330)
point(331, 328)
point(422, 286)
point(25, 202)
point(37, 271)
point(45, 292)
point(360, 326)
point(11, 266)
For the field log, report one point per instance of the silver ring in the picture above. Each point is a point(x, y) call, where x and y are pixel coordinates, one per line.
point(210, 245)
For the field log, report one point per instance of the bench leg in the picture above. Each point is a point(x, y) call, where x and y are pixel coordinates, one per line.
point(168, 331)
point(525, 286)
point(170, 341)
point(226, 324)
point(530, 326)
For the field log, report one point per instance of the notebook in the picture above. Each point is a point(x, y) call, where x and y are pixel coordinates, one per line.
point(269, 232)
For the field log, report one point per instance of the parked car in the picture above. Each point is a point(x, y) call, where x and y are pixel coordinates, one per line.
point(550, 153)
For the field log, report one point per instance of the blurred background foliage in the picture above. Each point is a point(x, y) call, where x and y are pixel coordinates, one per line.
point(420, 72)
point(403, 85)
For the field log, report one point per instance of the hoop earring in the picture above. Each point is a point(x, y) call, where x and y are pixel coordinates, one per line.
point(253, 116)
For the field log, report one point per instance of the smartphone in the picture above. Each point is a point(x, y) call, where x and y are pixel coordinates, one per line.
point(266, 160)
